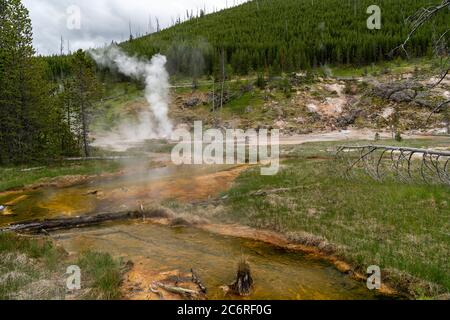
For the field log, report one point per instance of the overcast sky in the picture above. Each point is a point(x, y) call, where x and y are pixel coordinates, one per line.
point(102, 21)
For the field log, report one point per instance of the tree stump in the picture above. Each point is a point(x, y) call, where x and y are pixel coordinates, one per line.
point(243, 284)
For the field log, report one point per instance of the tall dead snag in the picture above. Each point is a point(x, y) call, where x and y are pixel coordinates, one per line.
point(243, 284)
point(223, 79)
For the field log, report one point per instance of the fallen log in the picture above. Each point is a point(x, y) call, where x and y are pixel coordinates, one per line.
point(264, 193)
point(44, 226)
point(177, 290)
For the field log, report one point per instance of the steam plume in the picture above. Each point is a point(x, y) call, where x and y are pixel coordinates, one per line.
point(154, 122)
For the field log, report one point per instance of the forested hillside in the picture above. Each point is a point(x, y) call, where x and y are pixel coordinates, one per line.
point(284, 35)
point(288, 35)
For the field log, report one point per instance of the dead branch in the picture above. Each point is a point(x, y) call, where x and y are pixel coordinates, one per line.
point(198, 282)
point(419, 19)
point(379, 161)
point(177, 290)
point(264, 193)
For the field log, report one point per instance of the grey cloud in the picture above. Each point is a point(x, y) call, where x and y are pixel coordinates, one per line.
point(103, 21)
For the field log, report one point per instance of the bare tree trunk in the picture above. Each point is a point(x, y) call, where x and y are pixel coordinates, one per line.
point(223, 79)
point(214, 94)
point(85, 130)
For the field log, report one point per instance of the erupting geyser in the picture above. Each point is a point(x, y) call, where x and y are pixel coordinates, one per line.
point(153, 123)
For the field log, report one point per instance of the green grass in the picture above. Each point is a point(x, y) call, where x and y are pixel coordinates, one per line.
point(109, 111)
point(402, 227)
point(239, 106)
point(325, 149)
point(26, 261)
point(23, 261)
point(34, 248)
point(105, 274)
point(395, 67)
point(16, 177)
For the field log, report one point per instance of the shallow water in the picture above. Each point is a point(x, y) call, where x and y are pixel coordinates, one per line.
point(278, 273)
point(129, 192)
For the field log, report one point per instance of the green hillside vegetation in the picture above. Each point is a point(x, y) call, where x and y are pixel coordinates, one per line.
point(288, 35)
point(283, 35)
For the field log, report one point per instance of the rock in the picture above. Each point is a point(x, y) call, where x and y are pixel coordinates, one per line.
point(247, 88)
point(423, 99)
point(348, 119)
point(385, 91)
point(300, 120)
point(406, 95)
point(404, 92)
point(312, 108)
point(280, 124)
point(446, 95)
point(191, 103)
point(388, 112)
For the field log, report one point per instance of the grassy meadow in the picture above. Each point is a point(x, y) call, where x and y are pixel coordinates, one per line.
point(34, 268)
point(403, 228)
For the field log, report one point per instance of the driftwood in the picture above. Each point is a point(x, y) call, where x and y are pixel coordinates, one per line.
point(45, 226)
point(197, 281)
point(177, 290)
point(264, 193)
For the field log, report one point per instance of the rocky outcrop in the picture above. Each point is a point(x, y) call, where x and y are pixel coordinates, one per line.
point(406, 95)
point(423, 99)
point(398, 92)
point(405, 92)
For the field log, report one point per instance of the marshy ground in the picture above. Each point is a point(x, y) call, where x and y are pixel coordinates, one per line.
point(349, 223)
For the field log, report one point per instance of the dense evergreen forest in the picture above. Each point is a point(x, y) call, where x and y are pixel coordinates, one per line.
point(40, 119)
point(287, 35)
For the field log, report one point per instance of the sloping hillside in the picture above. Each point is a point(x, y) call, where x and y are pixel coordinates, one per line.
point(286, 35)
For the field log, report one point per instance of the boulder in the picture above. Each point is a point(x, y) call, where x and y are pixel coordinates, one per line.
point(348, 119)
point(388, 90)
point(423, 99)
point(191, 103)
point(406, 95)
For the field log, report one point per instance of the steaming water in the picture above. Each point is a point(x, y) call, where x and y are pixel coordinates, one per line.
point(154, 122)
point(279, 274)
point(184, 183)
